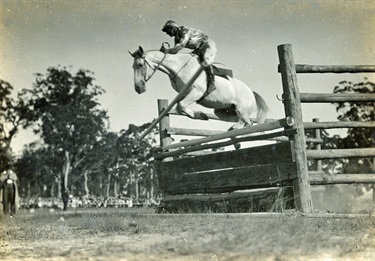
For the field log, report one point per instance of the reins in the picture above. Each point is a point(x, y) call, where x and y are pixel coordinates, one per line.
point(154, 69)
point(158, 65)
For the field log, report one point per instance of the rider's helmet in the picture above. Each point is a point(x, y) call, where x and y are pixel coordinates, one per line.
point(169, 24)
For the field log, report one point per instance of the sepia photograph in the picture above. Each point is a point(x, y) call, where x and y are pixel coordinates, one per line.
point(187, 130)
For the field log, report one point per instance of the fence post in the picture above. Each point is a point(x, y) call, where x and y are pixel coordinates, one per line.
point(318, 146)
point(165, 139)
point(292, 106)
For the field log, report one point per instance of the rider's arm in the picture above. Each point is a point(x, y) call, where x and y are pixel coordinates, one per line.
point(182, 42)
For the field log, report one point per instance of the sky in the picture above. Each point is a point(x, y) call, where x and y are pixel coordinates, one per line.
point(96, 36)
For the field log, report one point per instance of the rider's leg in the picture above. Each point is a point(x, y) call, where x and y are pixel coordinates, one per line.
point(208, 58)
point(210, 79)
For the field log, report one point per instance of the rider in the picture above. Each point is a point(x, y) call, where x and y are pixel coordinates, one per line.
point(196, 40)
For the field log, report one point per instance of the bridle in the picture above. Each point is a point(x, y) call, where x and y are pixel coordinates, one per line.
point(159, 64)
point(154, 69)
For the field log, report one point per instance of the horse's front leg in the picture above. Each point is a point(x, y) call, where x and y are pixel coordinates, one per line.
point(192, 97)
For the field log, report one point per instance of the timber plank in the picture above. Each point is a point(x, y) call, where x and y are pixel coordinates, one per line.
point(227, 180)
point(274, 153)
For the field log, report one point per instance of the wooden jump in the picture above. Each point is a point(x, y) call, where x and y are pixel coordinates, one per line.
point(281, 164)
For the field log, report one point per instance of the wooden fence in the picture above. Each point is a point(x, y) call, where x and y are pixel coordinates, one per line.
point(196, 167)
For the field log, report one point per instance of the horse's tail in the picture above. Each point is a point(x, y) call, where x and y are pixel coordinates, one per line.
point(262, 108)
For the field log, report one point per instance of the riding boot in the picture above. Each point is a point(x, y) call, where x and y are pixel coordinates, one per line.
point(210, 79)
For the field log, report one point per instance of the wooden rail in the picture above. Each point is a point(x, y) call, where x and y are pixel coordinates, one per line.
point(338, 124)
point(341, 153)
point(305, 68)
point(233, 133)
point(212, 116)
point(324, 179)
point(336, 97)
point(192, 132)
point(277, 136)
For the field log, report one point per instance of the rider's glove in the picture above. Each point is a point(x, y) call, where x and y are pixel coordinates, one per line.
point(164, 50)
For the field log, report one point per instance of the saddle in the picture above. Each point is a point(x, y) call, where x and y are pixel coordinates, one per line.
point(220, 72)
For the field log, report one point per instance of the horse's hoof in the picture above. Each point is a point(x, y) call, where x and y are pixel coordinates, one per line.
point(201, 116)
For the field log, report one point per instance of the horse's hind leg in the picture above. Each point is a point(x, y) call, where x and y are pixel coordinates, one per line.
point(243, 121)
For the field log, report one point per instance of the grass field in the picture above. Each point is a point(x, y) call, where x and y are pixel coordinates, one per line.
point(140, 234)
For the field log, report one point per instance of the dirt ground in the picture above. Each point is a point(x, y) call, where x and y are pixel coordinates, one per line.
point(147, 247)
point(193, 243)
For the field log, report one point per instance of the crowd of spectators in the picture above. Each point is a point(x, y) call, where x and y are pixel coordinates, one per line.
point(86, 202)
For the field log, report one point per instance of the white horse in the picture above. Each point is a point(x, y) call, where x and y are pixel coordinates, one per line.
point(232, 100)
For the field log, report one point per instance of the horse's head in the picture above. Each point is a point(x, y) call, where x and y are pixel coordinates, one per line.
point(141, 70)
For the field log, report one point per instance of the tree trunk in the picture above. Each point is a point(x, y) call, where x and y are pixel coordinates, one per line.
point(66, 169)
point(115, 189)
point(59, 193)
point(86, 187)
point(136, 189)
point(28, 193)
point(64, 184)
point(131, 185)
point(52, 191)
point(151, 183)
point(108, 185)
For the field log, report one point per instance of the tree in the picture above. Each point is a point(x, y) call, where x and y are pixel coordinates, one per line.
point(67, 116)
point(37, 172)
point(13, 114)
point(357, 137)
point(138, 160)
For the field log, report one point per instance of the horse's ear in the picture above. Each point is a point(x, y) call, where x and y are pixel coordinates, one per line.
point(140, 50)
point(131, 54)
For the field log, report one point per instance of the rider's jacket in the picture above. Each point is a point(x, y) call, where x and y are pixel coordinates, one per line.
point(190, 38)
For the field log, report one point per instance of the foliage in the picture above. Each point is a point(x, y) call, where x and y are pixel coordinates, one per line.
point(63, 109)
point(355, 111)
point(37, 171)
point(356, 137)
point(67, 115)
point(13, 114)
